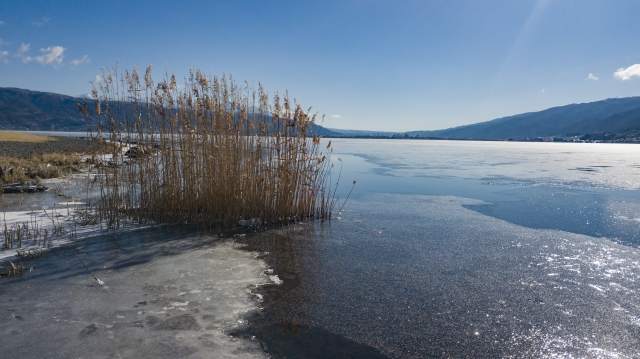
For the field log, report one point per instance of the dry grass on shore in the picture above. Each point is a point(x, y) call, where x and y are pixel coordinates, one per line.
point(48, 165)
point(42, 158)
point(10, 136)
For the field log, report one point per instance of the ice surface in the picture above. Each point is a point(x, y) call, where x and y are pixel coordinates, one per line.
point(609, 165)
point(423, 276)
point(166, 296)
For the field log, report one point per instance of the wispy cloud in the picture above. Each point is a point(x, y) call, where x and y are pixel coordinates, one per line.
point(41, 22)
point(543, 90)
point(84, 60)
point(52, 55)
point(336, 116)
point(3, 56)
point(628, 73)
point(2, 22)
point(592, 77)
point(24, 48)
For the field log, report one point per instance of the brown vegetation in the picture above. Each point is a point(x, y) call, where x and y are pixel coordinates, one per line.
point(12, 270)
point(211, 155)
point(10, 136)
point(48, 165)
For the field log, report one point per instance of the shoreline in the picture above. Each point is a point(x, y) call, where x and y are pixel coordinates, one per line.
point(26, 149)
point(51, 218)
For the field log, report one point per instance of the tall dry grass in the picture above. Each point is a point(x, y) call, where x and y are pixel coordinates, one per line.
point(209, 154)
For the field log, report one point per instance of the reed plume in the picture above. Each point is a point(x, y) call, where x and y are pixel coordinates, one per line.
point(209, 154)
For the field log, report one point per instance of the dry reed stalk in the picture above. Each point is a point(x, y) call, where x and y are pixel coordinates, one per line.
point(208, 155)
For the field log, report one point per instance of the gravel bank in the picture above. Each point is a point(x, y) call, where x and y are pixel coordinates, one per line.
point(26, 149)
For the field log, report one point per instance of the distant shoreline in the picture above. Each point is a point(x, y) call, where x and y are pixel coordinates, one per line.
point(558, 139)
point(555, 139)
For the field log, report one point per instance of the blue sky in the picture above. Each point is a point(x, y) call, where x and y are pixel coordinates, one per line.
point(367, 64)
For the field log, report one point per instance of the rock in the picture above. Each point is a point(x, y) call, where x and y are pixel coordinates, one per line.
point(135, 151)
point(27, 187)
point(89, 329)
point(249, 223)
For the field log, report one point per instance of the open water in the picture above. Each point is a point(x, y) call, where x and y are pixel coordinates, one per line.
point(450, 249)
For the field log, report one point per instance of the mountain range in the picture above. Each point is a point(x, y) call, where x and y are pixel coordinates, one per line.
point(607, 120)
point(22, 109)
point(32, 110)
point(610, 118)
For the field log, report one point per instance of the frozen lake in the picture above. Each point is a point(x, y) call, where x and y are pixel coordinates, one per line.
point(464, 250)
point(445, 249)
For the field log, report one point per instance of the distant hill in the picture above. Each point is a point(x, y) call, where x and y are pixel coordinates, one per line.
point(32, 110)
point(607, 120)
point(364, 133)
point(612, 117)
point(22, 109)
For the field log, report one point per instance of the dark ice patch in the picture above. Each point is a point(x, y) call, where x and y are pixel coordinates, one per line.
point(89, 329)
point(208, 340)
point(135, 324)
point(152, 320)
point(583, 169)
point(179, 322)
point(157, 289)
point(294, 341)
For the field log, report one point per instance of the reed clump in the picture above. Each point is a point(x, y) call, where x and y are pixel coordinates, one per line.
point(12, 270)
point(209, 154)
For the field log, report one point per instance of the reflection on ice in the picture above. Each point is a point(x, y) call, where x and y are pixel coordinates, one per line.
point(446, 281)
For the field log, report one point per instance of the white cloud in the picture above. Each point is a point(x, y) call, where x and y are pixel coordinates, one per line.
point(628, 73)
point(97, 79)
point(43, 21)
point(336, 116)
point(84, 60)
point(3, 56)
point(592, 77)
point(23, 49)
point(542, 91)
point(2, 22)
point(52, 56)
